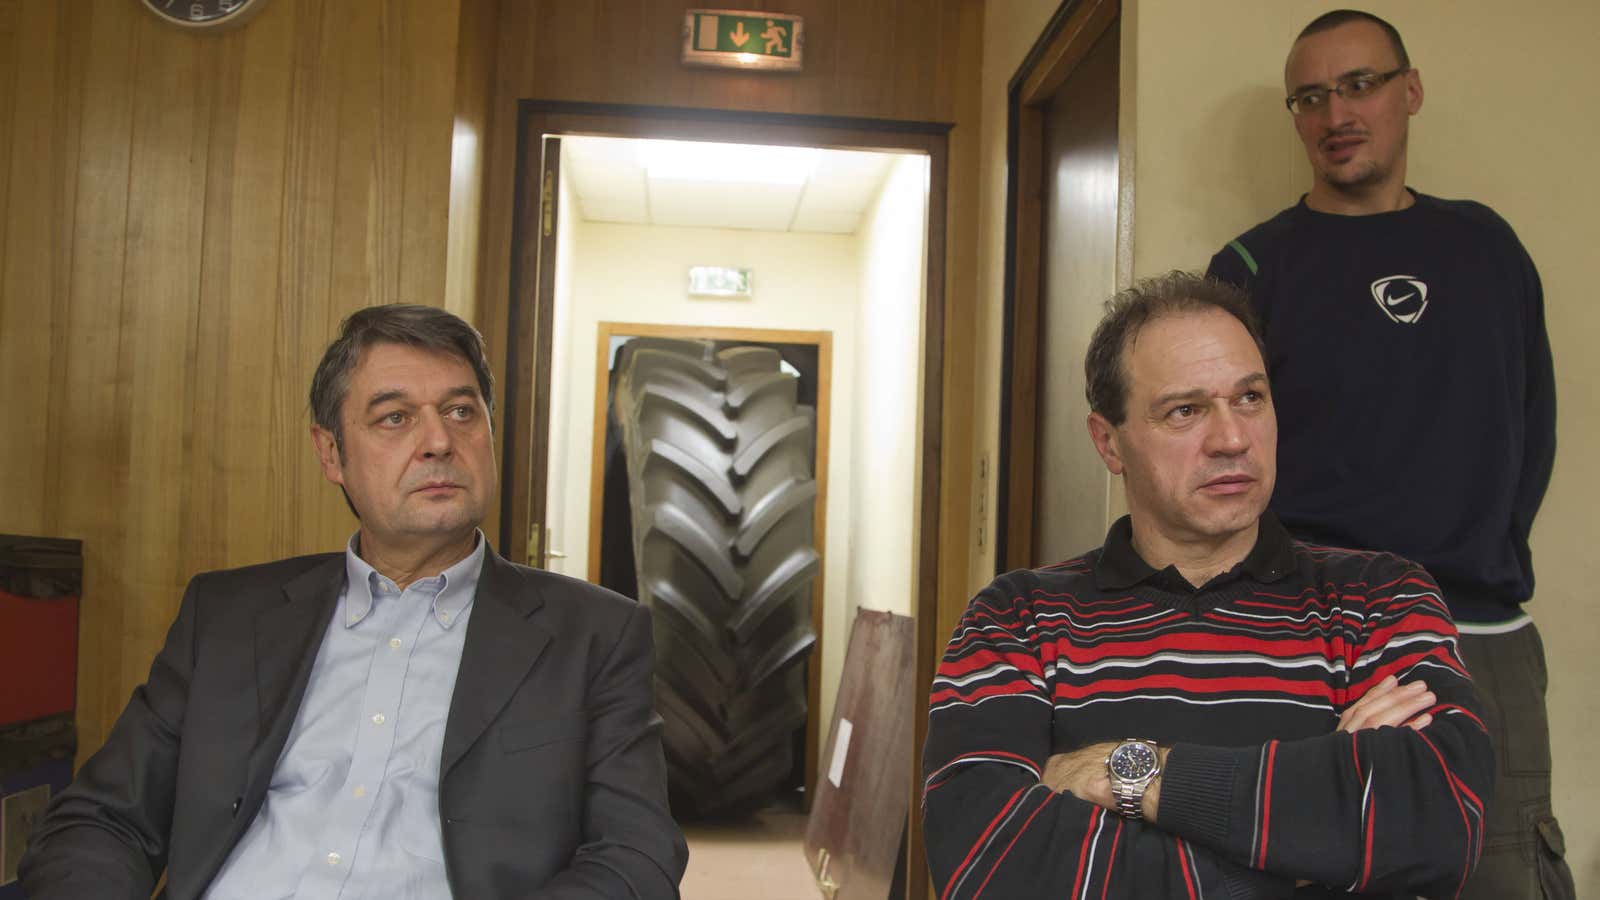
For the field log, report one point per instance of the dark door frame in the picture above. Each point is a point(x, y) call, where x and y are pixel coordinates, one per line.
point(528, 328)
point(1065, 41)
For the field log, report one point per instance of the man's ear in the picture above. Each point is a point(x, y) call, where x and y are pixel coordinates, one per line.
point(1413, 91)
point(1104, 435)
point(328, 454)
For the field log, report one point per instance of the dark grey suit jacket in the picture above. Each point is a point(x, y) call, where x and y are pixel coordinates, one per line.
point(552, 783)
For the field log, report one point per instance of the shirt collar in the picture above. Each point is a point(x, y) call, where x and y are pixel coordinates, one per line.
point(452, 590)
point(1120, 566)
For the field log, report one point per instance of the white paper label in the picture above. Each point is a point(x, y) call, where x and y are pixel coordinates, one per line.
point(841, 749)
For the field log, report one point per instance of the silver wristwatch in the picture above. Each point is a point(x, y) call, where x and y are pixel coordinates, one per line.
point(1132, 765)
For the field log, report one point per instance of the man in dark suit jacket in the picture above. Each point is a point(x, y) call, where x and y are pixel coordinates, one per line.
point(414, 717)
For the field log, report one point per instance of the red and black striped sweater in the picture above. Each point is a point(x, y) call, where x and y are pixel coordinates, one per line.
point(1245, 678)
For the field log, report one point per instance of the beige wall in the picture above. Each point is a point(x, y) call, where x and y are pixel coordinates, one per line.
point(635, 273)
point(883, 396)
point(1506, 120)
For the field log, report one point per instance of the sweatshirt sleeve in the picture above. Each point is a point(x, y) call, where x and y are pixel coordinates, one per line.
point(1384, 809)
point(1233, 264)
point(1539, 425)
point(992, 829)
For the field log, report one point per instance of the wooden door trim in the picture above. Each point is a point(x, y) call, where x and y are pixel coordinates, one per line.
point(1064, 42)
point(823, 341)
point(538, 118)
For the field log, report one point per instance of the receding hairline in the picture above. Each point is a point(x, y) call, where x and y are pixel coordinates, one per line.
point(1134, 334)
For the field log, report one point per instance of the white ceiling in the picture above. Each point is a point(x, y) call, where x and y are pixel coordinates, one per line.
point(610, 182)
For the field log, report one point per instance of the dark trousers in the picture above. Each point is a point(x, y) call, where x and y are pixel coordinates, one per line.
point(1523, 850)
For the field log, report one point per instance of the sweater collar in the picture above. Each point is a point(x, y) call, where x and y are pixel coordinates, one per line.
point(1120, 566)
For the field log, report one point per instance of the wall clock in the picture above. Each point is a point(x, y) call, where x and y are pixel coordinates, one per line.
point(205, 15)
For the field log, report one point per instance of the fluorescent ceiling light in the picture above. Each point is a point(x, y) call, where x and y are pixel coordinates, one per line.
point(740, 163)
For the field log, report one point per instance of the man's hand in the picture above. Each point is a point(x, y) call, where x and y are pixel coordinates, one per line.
point(1082, 773)
point(1390, 703)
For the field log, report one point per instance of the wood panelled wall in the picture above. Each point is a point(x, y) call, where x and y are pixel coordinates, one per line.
point(183, 222)
point(914, 60)
point(184, 219)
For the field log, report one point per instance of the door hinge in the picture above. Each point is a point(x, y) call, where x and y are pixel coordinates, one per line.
point(548, 202)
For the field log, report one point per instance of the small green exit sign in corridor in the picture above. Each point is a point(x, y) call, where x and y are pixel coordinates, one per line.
point(741, 39)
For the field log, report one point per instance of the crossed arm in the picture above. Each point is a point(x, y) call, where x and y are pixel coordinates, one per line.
point(1367, 807)
point(1082, 772)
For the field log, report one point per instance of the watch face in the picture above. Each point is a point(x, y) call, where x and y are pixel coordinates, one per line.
point(1132, 761)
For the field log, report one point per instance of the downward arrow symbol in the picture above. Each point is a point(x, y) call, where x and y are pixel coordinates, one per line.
point(739, 35)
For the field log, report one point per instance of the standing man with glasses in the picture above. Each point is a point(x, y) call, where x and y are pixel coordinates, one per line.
point(1408, 356)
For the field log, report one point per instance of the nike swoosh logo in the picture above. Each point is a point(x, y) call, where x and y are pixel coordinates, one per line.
point(1396, 301)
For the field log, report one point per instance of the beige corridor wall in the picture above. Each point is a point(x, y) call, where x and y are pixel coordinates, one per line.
point(883, 396)
point(1507, 120)
point(638, 273)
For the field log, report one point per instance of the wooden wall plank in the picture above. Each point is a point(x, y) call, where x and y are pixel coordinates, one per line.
point(237, 427)
point(31, 259)
point(324, 266)
point(91, 450)
point(72, 24)
point(170, 138)
point(426, 60)
point(8, 105)
point(869, 37)
point(475, 63)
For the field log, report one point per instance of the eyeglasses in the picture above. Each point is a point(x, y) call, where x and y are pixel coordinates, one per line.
point(1355, 87)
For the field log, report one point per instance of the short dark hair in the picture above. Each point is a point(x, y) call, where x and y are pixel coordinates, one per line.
point(1331, 20)
point(425, 327)
point(1175, 293)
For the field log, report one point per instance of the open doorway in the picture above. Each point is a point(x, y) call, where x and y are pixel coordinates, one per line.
point(603, 251)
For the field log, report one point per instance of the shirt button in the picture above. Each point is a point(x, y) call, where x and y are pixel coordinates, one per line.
point(360, 791)
point(395, 643)
point(378, 719)
point(444, 617)
point(334, 859)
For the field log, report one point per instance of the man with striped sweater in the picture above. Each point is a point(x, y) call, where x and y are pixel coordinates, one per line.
point(1202, 707)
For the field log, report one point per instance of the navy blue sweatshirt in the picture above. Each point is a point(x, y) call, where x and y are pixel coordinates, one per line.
point(1413, 384)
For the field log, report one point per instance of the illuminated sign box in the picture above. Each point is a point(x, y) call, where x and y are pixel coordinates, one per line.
point(743, 39)
point(717, 281)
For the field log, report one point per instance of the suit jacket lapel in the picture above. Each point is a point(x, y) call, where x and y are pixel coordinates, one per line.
point(287, 638)
point(503, 641)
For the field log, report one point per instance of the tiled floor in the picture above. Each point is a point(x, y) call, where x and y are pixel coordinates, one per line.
point(762, 859)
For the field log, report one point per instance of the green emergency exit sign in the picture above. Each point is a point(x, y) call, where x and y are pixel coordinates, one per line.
point(742, 39)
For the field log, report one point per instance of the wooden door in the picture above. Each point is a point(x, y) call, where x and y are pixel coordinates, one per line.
point(1063, 260)
point(1078, 273)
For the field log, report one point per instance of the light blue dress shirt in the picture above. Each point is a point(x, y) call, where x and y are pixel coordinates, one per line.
point(352, 811)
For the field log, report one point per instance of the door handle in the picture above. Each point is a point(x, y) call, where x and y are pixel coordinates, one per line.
point(538, 550)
